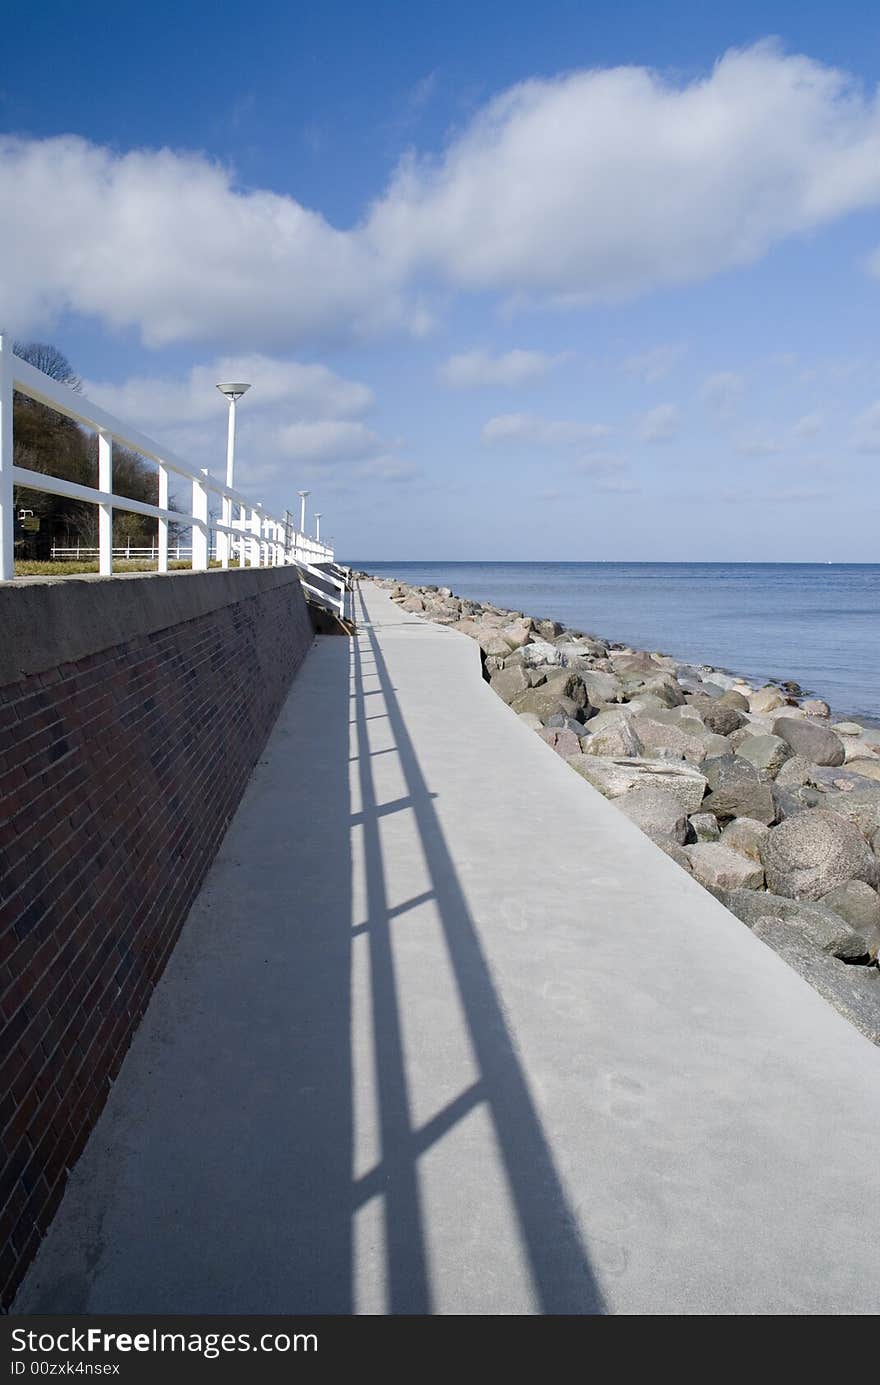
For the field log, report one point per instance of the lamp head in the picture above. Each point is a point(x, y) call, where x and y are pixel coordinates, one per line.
point(233, 391)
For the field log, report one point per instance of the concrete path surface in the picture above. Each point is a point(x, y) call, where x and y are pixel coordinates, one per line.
point(444, 1033)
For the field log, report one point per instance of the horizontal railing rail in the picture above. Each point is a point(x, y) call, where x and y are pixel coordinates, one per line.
point(254, 537)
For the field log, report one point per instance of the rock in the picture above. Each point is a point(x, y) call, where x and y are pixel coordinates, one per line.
point(859, 906)
point(601, 687)
point(853, 991)
point(811, 853)
point(717, 867)
point(685, 737)
point(666, 688)
point(846, 728)
point(565, 684)
point(614, 737)
point(645, 702)
point(736, 791)
point(561, 723)
point(613, 776)
point(767, 753)
point(732, 698)
point(548, 629)
point(492, 642)
point(563, 741)
point(414, 604)
point(745, 835)
point(719, 716)
point(705, 827)
point(821, 926)
point(766, 700)
point(794, 772)
point(816, 743)
point(868, 769)
point(540, 652)
point(544, 704)
point(508, 683)
point(656, 812)
point(815, 707)
point(517, 634)
point(638, 662)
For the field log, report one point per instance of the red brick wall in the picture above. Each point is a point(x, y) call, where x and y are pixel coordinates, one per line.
point(118, 775)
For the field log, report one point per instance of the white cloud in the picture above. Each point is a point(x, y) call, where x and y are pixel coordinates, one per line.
point(654, 365)
point(551, 434)
point(722, 393)
point(388, 468)
point(155, 402)
point(473, 369)
point(660, 424)
point(866, 437)
point(543, 195)
point(809, 425)
point(329, 440)
point(599, 463)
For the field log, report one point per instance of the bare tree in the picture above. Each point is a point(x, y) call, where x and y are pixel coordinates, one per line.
point(52, 362)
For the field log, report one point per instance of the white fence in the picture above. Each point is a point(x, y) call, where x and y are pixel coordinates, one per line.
point(250, 536)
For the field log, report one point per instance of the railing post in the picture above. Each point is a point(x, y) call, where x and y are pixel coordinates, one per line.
point(105, 510)
point(224, 540)
point(242, 544)
point(200, 525)
point(162, 563)
point(7, 492)
point(256, 527)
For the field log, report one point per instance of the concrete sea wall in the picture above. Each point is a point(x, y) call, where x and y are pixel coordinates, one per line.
point(132, 711)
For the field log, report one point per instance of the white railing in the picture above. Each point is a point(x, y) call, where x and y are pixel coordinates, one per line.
point(255, 538)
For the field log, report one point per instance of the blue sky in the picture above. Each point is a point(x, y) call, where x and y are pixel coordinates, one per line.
point(585, 282)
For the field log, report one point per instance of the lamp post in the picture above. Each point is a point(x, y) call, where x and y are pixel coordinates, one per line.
point(233, 392)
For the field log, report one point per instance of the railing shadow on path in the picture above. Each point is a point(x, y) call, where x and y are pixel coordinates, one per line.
point(553, 1248)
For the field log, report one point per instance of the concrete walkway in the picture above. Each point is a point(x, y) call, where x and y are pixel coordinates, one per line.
point(445, 1033)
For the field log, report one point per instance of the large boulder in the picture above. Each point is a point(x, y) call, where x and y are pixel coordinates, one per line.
point(616, 736)
point(508, 683)
point(859, 906)
point(544, 703)
point(684, 736)
point(518, 633)
point(868, 769)
point(703, 827)
point(793, 773)
point(808, 855)
point(637, 662)
point(767, 753)
point(817, 743)
point(860, 803)
point(613, 776)
point(717, 867)
point(737, 790)
point(493, 642)
point(824, 928)
point(540, 652)
point(745, 835)
point(733, 698)
point(815, 707)
point(766, 700)
point(718, 715)
point(656, 812)
point(601, 687)
point(413, 604)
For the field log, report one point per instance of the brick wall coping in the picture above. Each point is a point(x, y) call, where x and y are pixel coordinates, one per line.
point(47, 621)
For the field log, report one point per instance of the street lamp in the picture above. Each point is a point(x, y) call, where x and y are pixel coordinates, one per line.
point(317, 527)
point(233, 392)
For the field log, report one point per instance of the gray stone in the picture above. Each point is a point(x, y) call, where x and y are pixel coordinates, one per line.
point(718, 715)
point(491, 642)
point(847, 728)
point(534, 723)
point(821, 926)
point(508, 683)
point(414, 604)
point(745, 835)
point(808, 855)
point(601, 687)
point(767, 753)
point(860, 803)
point(666, 688)
point(736, 790)
point(732, 698)
point(766, 700)
point(868, 769)
point(544, 704)
point(656, 812)
point(617, 737)
point(853, 991)
point(816, 743)
point(705, 827)
point(717, 867)
point(613, 776)
point(859, 906)
point(685, 737)
point(794, 772)
point(815, 707)
point(676, 853)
